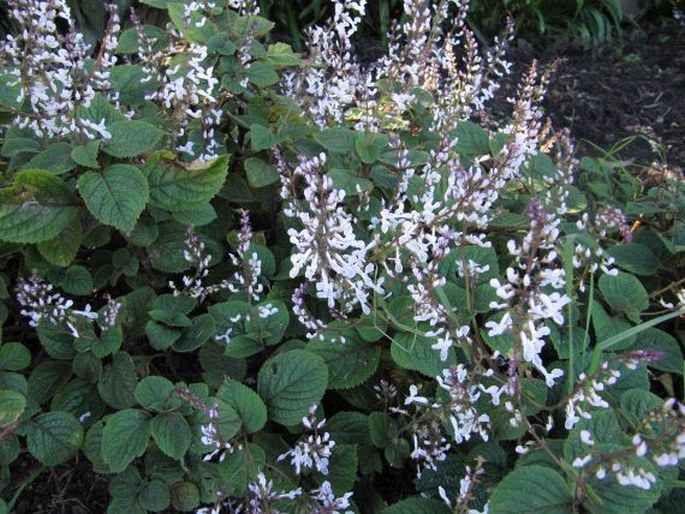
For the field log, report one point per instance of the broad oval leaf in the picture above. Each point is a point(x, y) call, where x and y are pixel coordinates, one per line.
point(172, 434)
point(531, 489)
point(290, 383)
point(54, 437)
point(124, 438)
point(177, 188)
point(36, 208)
point(115, 197)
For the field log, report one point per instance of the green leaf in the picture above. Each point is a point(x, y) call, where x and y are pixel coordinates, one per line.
point(262, 74)
point(13, 146)
point(349, 182)
point(86, 155)
point(77, 280)
point(415, 505)
point(100, 109)
point(270, 328)
point(370, 146)
point(197, 334)
point(161, 336)
point(185, 496)
point(46, 378)
point(261, 137)
point(179, 189)
point(472, 140)
point(191, 26)
point(247, 404)
point(635, 258)
point(349, 427)
point(10, 89)
point(624, 293)
point(119, 381)
point(37, 207)
point(663, 344)
point(290, 383)
point(153, 392)
point(532, 489)
point(56, 158)
point(172, 434)
point(129, 81)
point(411, 351)
point(62, 249)
point(636, 404)
point(337, 140)
point(12, 405)
point(342, 468)
point(349, 363)
point(115, 197)
point(124, 438)
point(155, 496)
point(14, 356)
point(382, 428)
point(131, 138)
point(197, 217)
point(259, 173)
point(54, 437)
point(88, 367)
point(240, 468)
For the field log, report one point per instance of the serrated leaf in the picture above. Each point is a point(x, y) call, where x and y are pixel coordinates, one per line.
point(624, 293)
point(119, 382)
point(172, 434)
point(669, 355)
point(153, 391)
point(62, 249)
point(37, 207)
point(86, 155)
point(414, 352)
point(270, 328)
point(416, 505)
point(179, 189)
point(197, 334)
point(370, 146)
point(472, 139)
point(14, 356)
point(336, 140)
point(77, 280)
point(197, 217)
point(155, 496)
point(124, 438)
point(262, 74)
point(100, 109)
point(46, 378)
point(247, 404)
point(635, 258)
point(185, 496)
point(259, 173)
point(349, 363)
point(131, 138)
point(290, 383)
point(115, 197)
point(262, 137)
point(531, 489)
point(54, 437)
point(56, 158)
point(12, 405)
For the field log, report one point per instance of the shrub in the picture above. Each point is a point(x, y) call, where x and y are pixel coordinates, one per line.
point(242, 279)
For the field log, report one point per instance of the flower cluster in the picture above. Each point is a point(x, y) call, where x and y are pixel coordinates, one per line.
point(326, 246)
point(51, 72)
point(42, 304)
point(524, 296)
point(185, 85)
point(315, 450)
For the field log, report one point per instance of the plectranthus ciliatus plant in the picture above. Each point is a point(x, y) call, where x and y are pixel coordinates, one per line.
point(239, 279)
